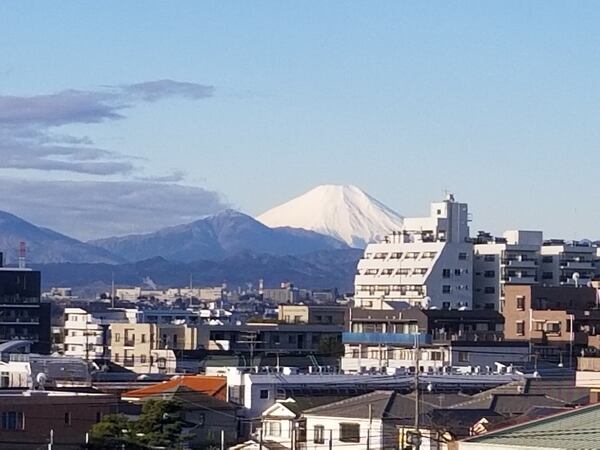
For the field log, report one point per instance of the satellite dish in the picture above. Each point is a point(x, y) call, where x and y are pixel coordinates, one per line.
point(426, 302)
point(41, 379)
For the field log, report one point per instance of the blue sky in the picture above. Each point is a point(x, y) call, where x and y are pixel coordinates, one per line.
point(496, 101)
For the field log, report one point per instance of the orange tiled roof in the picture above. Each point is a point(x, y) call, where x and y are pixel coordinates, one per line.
point(212, 386)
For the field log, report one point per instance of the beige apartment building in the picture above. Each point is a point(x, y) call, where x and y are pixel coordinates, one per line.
point(150, 347)
point(313, 314)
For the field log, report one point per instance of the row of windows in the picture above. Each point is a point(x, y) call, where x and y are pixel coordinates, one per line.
point(447, 273)
point(390, 271)
point(398, 255)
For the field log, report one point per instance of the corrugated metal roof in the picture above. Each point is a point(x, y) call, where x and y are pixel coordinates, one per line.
point(574, 430)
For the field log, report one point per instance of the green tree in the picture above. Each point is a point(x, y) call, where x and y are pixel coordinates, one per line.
point(159, 425)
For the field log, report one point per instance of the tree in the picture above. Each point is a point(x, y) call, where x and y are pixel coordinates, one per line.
point(159, 425)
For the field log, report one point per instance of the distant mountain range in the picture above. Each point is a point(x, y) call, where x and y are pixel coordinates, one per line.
point(217, 237)
point(308, 241)
point(324, 269)
point(343, 212)
point(44, 245)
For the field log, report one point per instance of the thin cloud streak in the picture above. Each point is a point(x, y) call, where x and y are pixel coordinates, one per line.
point(95, 209)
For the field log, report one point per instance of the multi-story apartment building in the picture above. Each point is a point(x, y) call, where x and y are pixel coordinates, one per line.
point(22, 314)
point(558, 320)
point(150, 347)
point(511, 259)
point(428, 262)
point(86, 332)
point(568, 263)
point(379, 340)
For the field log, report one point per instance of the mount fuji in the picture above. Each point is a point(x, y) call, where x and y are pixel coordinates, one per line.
point(344, 212)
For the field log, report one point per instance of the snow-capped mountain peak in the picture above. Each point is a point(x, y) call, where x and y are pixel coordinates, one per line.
point(344, 212)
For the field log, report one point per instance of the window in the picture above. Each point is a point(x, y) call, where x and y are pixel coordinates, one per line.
point(403, 272)
point(547, 275)
point(117, 337)
point(521, 303)
point(436, 356)
point(4, 380)
point(521, 328)
point(143, 359)
point(273, 428)
point(12, 420)
point(489, 290)
point(446, 273)
point(319, 434)
point(396, 255)
point(489, 258)
point(489, 274)
point(553, 327)
point(143, 338)
point(463, 357)
point(67, 418)
point(547, 259)
point(116, 357)
point(264, 393)
point(538, 326)
point(462, 256)
point(457, 272)
point(349, 432)
point(446, 289)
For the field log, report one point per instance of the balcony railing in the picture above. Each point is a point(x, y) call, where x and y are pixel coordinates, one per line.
point(469, 336)
point(588, 364)
point(385, 338)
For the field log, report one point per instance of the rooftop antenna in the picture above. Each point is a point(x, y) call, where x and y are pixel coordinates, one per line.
point(112, 289)
point(22, 254)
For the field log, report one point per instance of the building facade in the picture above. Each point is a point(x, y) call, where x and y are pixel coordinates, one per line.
point(23, 316)
point(428, 262)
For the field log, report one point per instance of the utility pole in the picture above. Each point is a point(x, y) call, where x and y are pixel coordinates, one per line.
point(260, 442)
point(330, 439)
point(416, 440)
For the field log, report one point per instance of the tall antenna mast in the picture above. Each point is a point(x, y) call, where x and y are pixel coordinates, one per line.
point(112, 289)
point(22, 254)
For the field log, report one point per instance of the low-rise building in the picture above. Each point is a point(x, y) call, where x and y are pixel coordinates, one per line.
point(33, 419)
point(150, 347)
point(313, 314)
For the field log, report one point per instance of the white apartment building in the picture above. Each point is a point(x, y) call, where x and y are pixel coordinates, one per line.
point(568, 263)
point(512, 259)
point(86, 333)
point(429, 257)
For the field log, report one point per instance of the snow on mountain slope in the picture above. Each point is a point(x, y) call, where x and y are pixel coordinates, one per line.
point(341, 211)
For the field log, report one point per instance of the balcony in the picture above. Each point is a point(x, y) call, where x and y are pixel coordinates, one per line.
point(385, 338)
point(577, 265)
point(525, 263)
point(469, 336)
point(588, 372)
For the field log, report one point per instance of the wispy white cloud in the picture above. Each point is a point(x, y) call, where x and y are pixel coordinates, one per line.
point(26, 123)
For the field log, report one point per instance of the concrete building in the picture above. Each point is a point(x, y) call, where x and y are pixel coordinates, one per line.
point(429, 260)
point(150, 347)
point(567, 263)
point(384, 341)
point(511, 259)
point(86, 333)
point(313, 314)
point(22, 314)
point(559, 320)
point(27, 418)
